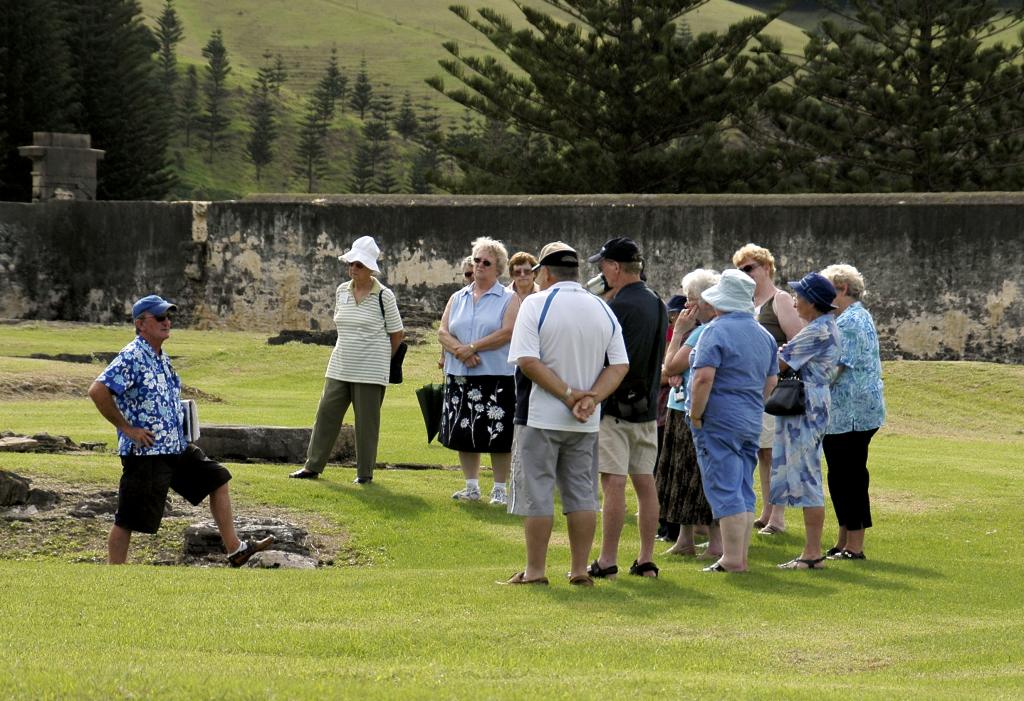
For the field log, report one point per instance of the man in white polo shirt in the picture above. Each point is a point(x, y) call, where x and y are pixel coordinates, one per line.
point(562, 338)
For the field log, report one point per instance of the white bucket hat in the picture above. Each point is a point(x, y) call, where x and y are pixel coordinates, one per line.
point(365, 251)
point(733, 293)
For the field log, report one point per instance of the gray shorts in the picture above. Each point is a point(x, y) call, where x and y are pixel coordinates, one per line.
point(542, 459)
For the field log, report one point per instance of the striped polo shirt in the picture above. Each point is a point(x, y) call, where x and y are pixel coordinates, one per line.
point(363, 351)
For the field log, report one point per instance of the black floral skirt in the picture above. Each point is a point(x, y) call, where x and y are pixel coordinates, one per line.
point(680, 490)
point(478, 413)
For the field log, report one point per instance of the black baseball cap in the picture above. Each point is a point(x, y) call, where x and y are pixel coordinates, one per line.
point(622, 250)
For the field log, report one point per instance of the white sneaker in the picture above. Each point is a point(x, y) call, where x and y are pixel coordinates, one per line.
point(467, 494)
point(499, 497)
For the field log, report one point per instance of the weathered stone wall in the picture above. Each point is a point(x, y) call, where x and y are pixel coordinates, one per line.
point(77, 260)
point(944, 272)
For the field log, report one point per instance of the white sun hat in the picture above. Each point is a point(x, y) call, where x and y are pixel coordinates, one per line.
point(365, 251)
point(733, 293)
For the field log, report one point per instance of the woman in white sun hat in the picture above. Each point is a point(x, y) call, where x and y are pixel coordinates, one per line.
point(369, 332)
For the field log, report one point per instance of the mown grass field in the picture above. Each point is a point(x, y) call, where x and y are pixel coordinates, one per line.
point(934, 613)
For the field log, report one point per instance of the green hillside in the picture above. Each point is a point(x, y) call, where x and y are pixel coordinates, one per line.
point(400, 40)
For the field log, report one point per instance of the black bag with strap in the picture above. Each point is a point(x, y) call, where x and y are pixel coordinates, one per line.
point(398, 357)
point(787, 399)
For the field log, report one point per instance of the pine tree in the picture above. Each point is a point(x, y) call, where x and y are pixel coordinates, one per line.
point(386, 181)
point(329, 89)
point(215, 120)
point(262, 121)
point(121, 100)
point(625, 105)
point(362, 91)
point(311, 151)
point(35, 84)
point(169, 33)
point(188, 114)
point(361, 180)
point(406, 124)
point(908, 96)
point(280, 74)
point(420, 172)
point(383, 106)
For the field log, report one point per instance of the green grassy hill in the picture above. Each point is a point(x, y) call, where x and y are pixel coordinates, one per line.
point(400, 40)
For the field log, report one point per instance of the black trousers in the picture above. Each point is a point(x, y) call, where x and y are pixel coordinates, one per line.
point(847, 457)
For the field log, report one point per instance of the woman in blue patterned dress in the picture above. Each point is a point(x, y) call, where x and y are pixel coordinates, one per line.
point(796, 452)
point(858, 411)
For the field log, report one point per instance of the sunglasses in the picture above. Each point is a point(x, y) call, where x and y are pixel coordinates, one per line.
point(356, 264)
point(483, 261)
point(522, 272)
point(161, 317)
point(748, 268)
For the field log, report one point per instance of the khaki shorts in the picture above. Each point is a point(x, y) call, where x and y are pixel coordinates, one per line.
point(767, 431)
point(626, 448)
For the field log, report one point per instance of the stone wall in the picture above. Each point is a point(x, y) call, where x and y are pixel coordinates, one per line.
point(944, 272)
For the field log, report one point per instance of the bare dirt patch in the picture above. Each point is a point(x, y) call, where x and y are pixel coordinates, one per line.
point(27, 534)
point(72, 384)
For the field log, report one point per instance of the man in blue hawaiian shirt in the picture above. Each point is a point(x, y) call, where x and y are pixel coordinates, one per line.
point(139, 393)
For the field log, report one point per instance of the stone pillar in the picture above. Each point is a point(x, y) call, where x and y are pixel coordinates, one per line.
point(63, 166)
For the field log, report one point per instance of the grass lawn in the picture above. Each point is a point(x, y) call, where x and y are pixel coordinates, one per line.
point(934, 613)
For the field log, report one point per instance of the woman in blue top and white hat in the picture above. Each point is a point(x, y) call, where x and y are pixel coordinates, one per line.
point(796, 452)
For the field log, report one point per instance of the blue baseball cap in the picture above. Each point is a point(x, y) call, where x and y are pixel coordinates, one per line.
point(816, 289)
point(676, 303)
point(154, 304)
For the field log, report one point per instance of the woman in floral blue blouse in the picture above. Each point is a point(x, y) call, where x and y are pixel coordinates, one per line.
point(796, 451)
point(858, 411)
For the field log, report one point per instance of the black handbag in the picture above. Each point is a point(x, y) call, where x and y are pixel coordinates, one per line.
point(395, 377)
point(398, 357)
point(787, 399)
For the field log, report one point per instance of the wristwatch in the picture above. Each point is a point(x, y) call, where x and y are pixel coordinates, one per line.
point(568, 392)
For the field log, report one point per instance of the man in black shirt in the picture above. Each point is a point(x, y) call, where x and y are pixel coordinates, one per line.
point(628, 440)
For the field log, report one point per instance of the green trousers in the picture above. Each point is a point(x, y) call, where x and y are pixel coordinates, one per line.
point(366, 400)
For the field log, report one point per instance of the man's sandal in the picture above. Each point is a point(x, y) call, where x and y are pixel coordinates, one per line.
point(801, 564)
point(520, 578)
point(638, 570)
point(594, 569)
point(581, 580)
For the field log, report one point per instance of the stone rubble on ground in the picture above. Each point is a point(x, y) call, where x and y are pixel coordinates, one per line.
point(275, 559)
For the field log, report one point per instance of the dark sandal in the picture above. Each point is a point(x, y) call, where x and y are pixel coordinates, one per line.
point(834, 553)
point(638, 570)
point(759, 524)
point(520, 578)
point(594, 569)
point(581, 580)
point(850, 555)
point(801, 564)
point(304, 474)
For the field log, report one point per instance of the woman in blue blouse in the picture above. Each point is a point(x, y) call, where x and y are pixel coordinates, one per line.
point(479, 387)
point(858, 411)
point(796, 451)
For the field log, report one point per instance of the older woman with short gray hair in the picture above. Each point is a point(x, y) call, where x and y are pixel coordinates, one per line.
point(680, 492)
point(858, 411)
